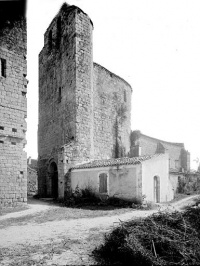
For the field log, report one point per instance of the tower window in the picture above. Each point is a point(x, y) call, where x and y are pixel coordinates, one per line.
point(3, 68)
point(59, 95)
point(50, 39)
point(125, 98)
point(58, 32)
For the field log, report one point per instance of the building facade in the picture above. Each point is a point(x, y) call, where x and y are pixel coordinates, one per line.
point(126, 178)
point(13, 103)
point(84, 109)
point(179, 158)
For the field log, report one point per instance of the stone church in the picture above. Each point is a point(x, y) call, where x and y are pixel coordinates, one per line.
point(84, 131)
point(84, 109)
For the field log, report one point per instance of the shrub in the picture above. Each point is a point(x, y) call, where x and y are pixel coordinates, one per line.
point(160, 239)
point(80, 197)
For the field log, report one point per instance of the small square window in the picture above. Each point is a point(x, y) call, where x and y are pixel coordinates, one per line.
point(1, 128)
point(14, 130)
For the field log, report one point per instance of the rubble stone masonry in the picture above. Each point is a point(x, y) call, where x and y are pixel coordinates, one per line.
point(13, 111)
point(78, 101)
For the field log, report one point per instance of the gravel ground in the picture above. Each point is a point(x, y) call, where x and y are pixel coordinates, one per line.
point(60, 241)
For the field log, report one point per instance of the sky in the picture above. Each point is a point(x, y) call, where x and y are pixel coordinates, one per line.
point(152, 44)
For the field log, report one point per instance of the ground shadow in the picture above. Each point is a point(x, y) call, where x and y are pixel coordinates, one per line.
point(41, 201)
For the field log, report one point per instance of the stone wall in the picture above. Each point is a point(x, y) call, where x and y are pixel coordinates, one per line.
point(111, 95)
point(65, 88)
point(13, 111)
point(78, 100)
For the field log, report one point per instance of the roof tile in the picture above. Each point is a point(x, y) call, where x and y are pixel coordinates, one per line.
point(114, 162)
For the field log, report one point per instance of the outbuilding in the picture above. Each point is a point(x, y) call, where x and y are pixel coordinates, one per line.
point(127, 178)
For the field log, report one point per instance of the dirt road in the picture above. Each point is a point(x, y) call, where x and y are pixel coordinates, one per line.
point(59, 242)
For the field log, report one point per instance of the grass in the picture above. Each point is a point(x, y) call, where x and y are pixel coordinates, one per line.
point(160, 239)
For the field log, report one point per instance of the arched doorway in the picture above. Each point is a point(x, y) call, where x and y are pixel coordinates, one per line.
point(157, 189)
point(53, 170)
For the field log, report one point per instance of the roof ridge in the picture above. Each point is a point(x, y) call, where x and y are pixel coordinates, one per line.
point(114, 161)
point(164, 141)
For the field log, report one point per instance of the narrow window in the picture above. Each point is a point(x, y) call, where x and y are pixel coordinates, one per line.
point(103, 183)
point(58, 32)
point(3, 68)
point(59, 94)
point(50, 40)
point(14, 130)
point(125, 99)
point(1, 128)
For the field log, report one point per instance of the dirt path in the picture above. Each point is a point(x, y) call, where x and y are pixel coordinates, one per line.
point(65, 242)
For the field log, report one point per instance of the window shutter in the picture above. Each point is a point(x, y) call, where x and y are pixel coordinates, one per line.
point(103, 183)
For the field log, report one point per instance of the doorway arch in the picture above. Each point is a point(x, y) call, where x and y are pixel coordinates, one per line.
point(53, 170)
point(156, 189)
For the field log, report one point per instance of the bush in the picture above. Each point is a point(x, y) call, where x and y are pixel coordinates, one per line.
point(81, 197)
point(160, 239)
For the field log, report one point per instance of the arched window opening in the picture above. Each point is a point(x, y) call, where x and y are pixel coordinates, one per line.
point(53, 171)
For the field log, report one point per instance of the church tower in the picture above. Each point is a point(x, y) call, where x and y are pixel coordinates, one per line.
point(65, 96)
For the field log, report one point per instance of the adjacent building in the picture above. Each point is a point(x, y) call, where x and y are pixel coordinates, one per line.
point(179, 157)
point(13, 103)
point(128, 178)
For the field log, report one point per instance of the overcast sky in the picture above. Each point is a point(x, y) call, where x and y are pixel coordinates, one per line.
point(153, 44)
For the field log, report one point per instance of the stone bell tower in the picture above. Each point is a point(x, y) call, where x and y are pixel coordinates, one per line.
point(65, 96)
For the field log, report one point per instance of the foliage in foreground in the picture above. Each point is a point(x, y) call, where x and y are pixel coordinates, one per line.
point(160, 239)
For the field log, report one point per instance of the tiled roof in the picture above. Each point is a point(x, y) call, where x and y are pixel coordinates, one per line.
point(114, 162)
